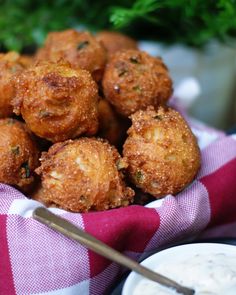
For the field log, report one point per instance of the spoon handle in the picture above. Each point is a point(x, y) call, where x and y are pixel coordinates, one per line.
point(66, 228)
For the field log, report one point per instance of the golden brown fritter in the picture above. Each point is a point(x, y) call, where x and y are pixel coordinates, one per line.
point(19, 154)
point(9, 66)
point(56, 101)
point(134, 80)
point(114, 41)
point(82, 175)
point(80, 49)
point(111, 126)
point(162, 152)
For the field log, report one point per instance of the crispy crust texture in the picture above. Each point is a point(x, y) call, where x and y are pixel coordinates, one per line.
point(114, 41)
point(80, 49)
point(134, 80)
point(20, 154)
point(56, 101)
point(9, 66)
point(162, 152)
point(83, 175)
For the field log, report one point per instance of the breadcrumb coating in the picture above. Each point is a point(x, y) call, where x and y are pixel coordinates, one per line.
point(80, 49)
point(114, 41)
point(19, 154)
point(161, 151)
point(82, 175)
point(134, 80)
point(10, 64)
point(56, 101)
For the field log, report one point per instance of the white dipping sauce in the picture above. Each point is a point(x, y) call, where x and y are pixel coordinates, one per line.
point(206, 274)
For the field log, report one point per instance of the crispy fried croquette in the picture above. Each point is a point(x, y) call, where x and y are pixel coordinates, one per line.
point(111, 126)
point(134, 80)
point(80, 49)
point(56, 101)
point(19, 155)
point(114, 41)
point(9, 65)
point(161, 151)
point(82, 175)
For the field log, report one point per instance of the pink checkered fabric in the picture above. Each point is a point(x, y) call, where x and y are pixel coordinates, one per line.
point(36, 260)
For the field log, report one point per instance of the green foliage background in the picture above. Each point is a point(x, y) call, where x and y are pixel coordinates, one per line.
point(25, 23)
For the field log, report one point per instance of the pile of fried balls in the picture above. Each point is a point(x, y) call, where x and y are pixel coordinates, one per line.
point(85, 123)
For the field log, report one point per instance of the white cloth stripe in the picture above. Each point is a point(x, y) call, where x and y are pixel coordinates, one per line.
point(80, 288)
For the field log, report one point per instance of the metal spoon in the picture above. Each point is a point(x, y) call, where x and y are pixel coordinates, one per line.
point(74, 233)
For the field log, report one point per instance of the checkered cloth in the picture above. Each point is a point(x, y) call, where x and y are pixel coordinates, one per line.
point(36, 260)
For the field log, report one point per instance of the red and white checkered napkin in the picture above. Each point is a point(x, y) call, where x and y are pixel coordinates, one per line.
point(36, 260)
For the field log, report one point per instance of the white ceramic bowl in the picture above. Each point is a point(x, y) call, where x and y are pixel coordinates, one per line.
point(183, 251)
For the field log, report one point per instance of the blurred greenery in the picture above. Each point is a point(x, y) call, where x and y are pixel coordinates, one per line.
point(25, 23)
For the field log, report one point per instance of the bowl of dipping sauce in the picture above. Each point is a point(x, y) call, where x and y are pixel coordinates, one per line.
point(208, 268)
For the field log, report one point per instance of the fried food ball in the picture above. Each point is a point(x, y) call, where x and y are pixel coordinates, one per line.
point(80, 49)
point(114, 41)
point(82, 175)
point(19, 155)
point(111, 126)
point(134, 80)
point(56, 101)
point(162, 152)
point(9, 66)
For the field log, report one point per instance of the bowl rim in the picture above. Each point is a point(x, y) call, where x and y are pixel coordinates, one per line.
point(133, 277)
